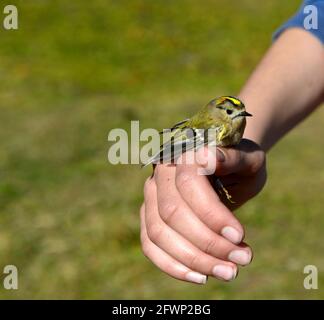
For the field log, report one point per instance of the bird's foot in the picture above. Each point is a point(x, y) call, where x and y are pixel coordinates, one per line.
point(222, 190)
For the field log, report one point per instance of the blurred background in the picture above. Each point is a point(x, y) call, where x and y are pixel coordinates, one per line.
point(73, 71)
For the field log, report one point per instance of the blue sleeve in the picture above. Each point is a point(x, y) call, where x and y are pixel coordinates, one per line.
point(310, 17)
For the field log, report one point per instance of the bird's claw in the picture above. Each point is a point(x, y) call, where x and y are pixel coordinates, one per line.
point(222, 190)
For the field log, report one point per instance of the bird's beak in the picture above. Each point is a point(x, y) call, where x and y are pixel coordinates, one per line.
point(245, 114)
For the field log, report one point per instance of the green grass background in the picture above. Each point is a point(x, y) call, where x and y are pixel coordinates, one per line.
point(76, 69)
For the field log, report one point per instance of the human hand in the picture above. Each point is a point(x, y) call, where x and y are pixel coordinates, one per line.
point(185, 228)
point(242, 171)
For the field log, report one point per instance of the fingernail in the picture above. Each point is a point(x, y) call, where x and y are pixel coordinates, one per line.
point(231, 234)
point(196, 277)
point(224, 272)
point(220, 155)
point(241, 257)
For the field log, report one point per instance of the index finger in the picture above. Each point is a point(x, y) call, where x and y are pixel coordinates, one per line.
point(245, 159)
point(196, 190)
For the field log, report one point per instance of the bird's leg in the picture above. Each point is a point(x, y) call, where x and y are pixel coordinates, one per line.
point(222, 190)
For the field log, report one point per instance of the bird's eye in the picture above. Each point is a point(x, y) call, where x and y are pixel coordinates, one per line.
point(228, 111)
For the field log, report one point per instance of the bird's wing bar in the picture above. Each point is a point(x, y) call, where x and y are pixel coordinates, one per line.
point(183, 141)
point(176, 126)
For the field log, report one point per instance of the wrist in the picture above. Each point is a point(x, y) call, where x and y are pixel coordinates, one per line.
point(258, 127)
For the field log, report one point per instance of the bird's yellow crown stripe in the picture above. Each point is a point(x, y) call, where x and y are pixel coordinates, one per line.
point(235, 101)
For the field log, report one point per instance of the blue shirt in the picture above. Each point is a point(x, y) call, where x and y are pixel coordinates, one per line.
point(310, 17)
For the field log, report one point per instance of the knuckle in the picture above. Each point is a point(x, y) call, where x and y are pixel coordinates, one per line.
point(182, 179)
point(155, 231)
point(148, 185)
point(235, 156)
point(211, 245)
point(157, 172)
point(211, 219)
point(145, 248)
point(170, 268)
point(142, 238)
point(259, 161)
point(168, 211)
point(193, 261)
point(261, 157)
point(208, 214)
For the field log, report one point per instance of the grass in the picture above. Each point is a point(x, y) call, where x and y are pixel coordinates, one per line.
point(73, 71)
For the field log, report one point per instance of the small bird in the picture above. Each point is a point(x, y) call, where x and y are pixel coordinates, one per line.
point(223, 118)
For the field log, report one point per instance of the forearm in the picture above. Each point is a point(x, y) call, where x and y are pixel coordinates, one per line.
point(285, 87)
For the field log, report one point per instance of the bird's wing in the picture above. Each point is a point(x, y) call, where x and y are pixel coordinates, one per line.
point(182, 124)
point(182, 140)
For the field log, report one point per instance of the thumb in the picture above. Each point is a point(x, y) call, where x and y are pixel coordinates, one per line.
point(247, 158)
